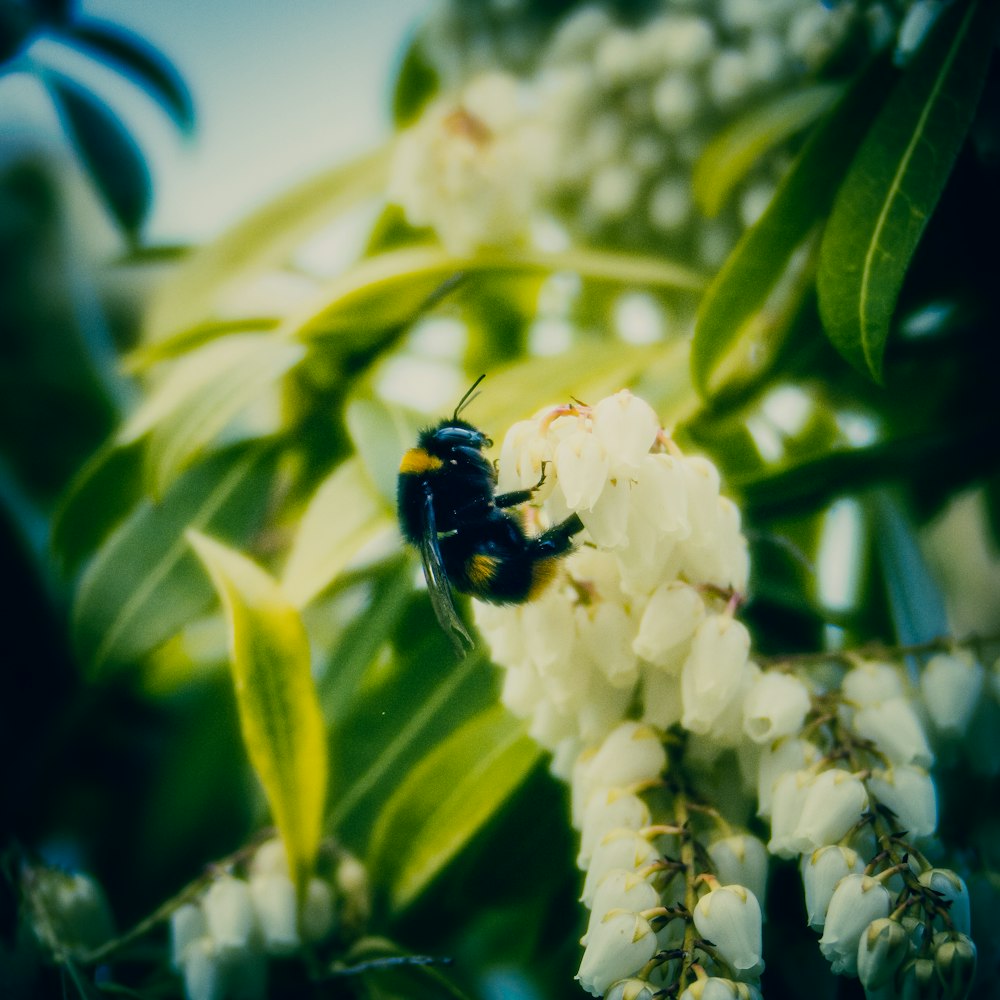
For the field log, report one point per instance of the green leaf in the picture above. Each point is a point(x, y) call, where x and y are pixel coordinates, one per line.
point(143, 584)
point(149, 68)
point(279, 710)
point(390, 972)
point(728, 158)
point(896, 179)
point(391, 288)
point(260, 243)
point(201, 396)
point(416, 83)
point(343, 515)
point(99, 497)
point(446, 799)
point(752, 302)
point(110, 154)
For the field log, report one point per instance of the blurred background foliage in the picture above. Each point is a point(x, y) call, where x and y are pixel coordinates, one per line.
point(263, 392)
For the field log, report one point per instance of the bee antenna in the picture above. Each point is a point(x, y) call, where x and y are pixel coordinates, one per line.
point(468, 397)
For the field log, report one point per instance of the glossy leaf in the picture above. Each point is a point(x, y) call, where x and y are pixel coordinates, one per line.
point(446, 799)
point(388, 290)
point(100, 496)
point(201, 396)
point(262, 242)
point(896, 179)
point(416, 82)
point(149, 68)
point(343, 515)
point(278, 706)
point(108, 151)
point(751, 303)
point(728, 158)
point(143, 584)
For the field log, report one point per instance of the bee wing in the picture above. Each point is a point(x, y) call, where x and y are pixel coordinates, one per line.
point(438, 586)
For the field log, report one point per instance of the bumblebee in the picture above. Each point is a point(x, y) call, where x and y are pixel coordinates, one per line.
point(469, 537)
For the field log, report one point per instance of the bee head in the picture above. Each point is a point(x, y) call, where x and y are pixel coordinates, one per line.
point(452, 435)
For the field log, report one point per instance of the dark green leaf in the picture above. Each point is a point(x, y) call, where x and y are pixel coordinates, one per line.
point(389, 972)
point(416, 82)
point(149, 68)
point(915, 601)
point(752, 302)
point(446, 799)
point(896, 179)
point(109, 152)
point(145, 583)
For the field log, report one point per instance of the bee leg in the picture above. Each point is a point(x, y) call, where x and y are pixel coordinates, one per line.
point(558, 539)
point(515, 497)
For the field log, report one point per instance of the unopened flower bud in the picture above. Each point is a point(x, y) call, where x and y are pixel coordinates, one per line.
point(619, 849)
point(950, 684)
point(741, 859)
point(871, 683)
point(607, 810)
point(856, 902)
point(317, 910)
point(229, 913)
point(881, 950)
point(952, 890)
point(730, 918)
point(894, 728)
point(716, 988)
point(618, 947)
point(630, 989)
point(821, 872)
point(918, 980)
point(351, 884)
point(621, 889)
point(775, 706)
point(955, 962)
point(833, 804)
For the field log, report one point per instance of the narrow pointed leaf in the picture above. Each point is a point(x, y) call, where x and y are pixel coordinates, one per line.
point(750, 303)
point(896, 179)
point(728, 158)
point(447, 798)
point(150, 69)
point(276, 698)
point(202, 394)
point(344, 514)
point(107, 149)
point(144, 584)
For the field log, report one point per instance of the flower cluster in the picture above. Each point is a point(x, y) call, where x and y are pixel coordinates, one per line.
point(641, 613)
point(647, 918)
point(221, 941)
point(604, 133)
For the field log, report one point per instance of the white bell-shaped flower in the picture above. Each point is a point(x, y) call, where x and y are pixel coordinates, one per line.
point(619, 849)
point(717, 988)
point(881, 950)
point(834, 803)
point(909, 792)
point(607, 810)
point(856, 902)
point(669, 620)
point(270, 858)
point(581, 463)
point(871, 683)
point(789, 797)
point(317, 909)
point(627, 426)
point(618, 946)
point(894, 728)
point(950, 684)
point(821, 871)
point(730, 918)
point(789, 754)
point(662, 705)
point(187, 924)
point(952, 888)
point(229, 913)
point(741, 859)
point(621, 889)
point(631, 989)
point(775, 706)
point(275, 907)
point(713, 670)
point(205, 975)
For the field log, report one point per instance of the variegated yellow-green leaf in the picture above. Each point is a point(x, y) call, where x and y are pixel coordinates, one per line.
point(344, 514)
point(447, 798)
point(733, 152)
point(278, 707)
point(896, 179)
point(201, 396)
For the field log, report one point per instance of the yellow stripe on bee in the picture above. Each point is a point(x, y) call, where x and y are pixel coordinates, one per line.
point(542, 574)
point(481, 569)
point(417, 461)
